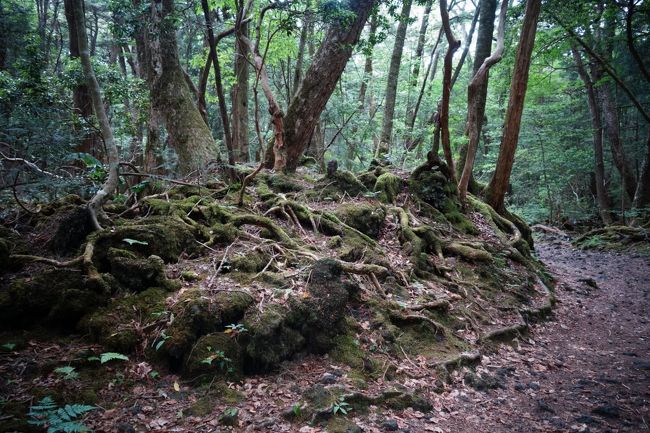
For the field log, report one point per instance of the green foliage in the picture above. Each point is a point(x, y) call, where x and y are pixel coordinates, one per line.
point(64, 419)
point(340, 405)
point(218, 358)
point(67, 373)
point(112, 356)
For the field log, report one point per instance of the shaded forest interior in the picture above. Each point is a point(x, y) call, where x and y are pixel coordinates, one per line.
point(208, 190)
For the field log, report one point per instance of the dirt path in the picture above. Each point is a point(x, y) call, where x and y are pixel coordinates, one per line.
point(585, 370)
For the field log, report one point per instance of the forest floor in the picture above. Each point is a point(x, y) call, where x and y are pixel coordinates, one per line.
point(585, 369)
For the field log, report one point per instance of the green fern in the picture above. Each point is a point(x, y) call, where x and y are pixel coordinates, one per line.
point(110, 356)
point(59, 419)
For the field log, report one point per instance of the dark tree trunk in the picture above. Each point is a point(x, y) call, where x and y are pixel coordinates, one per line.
point(82, 104)
point(320, 80)
point(170, 95)
point(240, 97)
point(498, 186)
point(391, 83)
point(642, 195)
point(602, 196)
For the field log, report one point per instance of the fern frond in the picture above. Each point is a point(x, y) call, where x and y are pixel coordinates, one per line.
point(110, 356)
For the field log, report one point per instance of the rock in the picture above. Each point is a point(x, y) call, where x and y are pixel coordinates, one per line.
point(229, 417)
point(482, 382)
point(124, 427)
point(390, 425)
point(189, 276)
point(388, 186)
point(338, 184)
point(328, 379)
point(368, 219)
point(607, 411)
point(544, 407)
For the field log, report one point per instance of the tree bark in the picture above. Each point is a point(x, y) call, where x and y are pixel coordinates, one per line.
point(496, 189)
point(320, 80)
point(367, 68)
point(642, 195)
point(170, 96)
point(240, 97)
point(110, 185)
point(82, 104)
point(466, 45)
point(453, 45)
point(479, 82)
point(602, 196)
point(393, 77)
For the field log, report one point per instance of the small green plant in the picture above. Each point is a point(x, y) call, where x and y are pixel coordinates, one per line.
point(219, 358)
point(340, 405)
point(154, 374)
point(296, 410)
point(134, 241)
point(64, 419)
point(161, 340)
point(67, 373)
point(9, 346)
point(112, 356)
point(235, 329)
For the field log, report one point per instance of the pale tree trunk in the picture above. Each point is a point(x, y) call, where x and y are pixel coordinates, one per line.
point(367, 69)
point(419, 52)
point(82, 104)
point(482, 51)
point(498, 186)
point(320, 80)
point(642, 195)
point(443, 121)
point(240, 97)
point(110, 185)
point(170, 95)
point(479, 81)
point(391, 84)
point(602, 196)
point(466, 44)
point(305, 33)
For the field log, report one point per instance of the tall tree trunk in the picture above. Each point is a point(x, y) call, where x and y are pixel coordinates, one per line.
point(610, 114)
point(367, 69)
point(82, 104)
point(110, 185)
point(170, 96)
point(481, 52)
point(391, 83)
point(642, 195)
point(320, 80)
point(496, 189)
point(302, 48)
point(602, 196)
point(419, 52)
point(479, 81)
point(466, 44)
point(443, 121)
point(240, 97)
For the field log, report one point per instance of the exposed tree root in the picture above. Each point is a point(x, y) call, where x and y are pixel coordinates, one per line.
point(84, 261)
point(505, 334)
point(395, 316)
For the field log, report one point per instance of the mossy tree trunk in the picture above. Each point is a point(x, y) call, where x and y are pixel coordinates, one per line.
point(496, 190)
point(170, 95)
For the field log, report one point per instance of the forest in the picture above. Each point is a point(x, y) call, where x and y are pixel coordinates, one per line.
point(324, 215)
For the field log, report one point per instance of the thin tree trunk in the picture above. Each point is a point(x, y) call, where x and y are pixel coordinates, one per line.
point(367, 69)
point(496, 189)
point(393, 77)
point(304, 35)
point(453, 45)
point(468, 42)
point(110, 185)
point(642, 195)
point(602, 196)
point(240, 97)
point(610, 114)
point(479, 82)
point(630, 40)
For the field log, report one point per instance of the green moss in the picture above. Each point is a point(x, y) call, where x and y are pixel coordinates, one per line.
point(138, 274)
point(190, 276)
point(249, 261)
point(340, 424)
point(347, 351)
point(216, 354)
point(368, 179)
point(469, 253)
point(116, 326)
point(283, 183)
point(388, 186)
point(338, 184)
point(366, 218)
point(457, 219)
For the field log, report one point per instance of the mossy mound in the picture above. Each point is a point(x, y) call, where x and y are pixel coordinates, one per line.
point(308, 324)
point(57, 297)
point(165, 237)
point(613, 238)
point(138, 274)
point(364, 217)
point(283, 183)
point(118, 326)
point(213, 355)
point(339, 184)
point(387, 187)
point(197, 313)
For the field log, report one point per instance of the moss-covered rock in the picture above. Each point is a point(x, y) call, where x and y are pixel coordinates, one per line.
point(338, 184)
point(368, 179)
point(249, 261)
point(165, 237)
point(73, 224)
point(54, 297)
point(138, 274)
point(366, 218)
point(216, 354)
point(283, 183)
point(118, 325)
point(388, 186)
